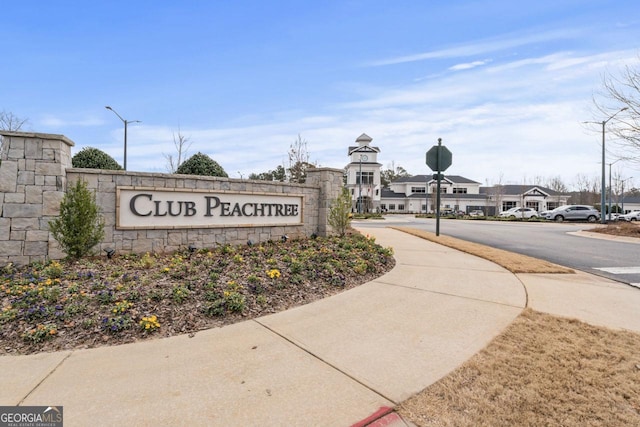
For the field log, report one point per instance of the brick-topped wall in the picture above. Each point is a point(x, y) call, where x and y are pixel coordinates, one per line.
point(36, 169)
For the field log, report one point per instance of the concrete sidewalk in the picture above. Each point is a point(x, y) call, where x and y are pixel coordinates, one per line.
point(345, 360)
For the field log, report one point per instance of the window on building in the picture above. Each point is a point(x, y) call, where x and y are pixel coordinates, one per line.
point(443, 190)
point(392, 207)
point(424, 208)
point(459, 190)
point(377, 191)
point(418, 189)
point(552, 205)
point(400, 207)
point(367, 178)
point(534, 205)
point(383, 207)
point(352, 192)
point(508, 205)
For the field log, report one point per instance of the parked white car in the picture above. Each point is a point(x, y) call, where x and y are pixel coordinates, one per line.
point(631, 216)
point(519, 213)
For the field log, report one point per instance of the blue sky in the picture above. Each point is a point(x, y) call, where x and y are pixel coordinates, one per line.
point(505, 84)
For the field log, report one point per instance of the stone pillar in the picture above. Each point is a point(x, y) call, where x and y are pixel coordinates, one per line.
point(330, 182)
point(32, 185)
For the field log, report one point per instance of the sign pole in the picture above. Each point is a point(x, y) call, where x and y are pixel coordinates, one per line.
point(438, 187)
point(438, 159)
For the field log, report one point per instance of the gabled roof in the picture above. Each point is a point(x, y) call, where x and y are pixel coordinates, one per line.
point(387, 194)
point(628, 198)
point(454, 179)
point(514, 190)
point(391, 194)
point(363, 149)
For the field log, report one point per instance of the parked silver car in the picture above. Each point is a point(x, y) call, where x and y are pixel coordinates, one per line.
point(573, 213)
point(631, 216)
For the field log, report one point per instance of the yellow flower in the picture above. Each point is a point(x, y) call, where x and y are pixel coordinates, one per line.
point(274, 273)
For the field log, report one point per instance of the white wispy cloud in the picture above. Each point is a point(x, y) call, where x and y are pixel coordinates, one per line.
point(55, 121)
point(520, 119)
point(469, 65)
point(506, 41)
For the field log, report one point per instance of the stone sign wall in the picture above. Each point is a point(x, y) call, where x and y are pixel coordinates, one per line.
point(149, 211)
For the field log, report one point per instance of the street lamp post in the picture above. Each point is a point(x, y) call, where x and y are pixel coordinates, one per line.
point(603, 184)
point(623, 181)
point(126, 122)
point(360, 188)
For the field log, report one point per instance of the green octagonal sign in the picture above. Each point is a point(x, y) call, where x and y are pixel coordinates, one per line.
point(445, 158)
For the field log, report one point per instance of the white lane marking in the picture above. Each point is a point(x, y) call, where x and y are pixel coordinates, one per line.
point(619, 270)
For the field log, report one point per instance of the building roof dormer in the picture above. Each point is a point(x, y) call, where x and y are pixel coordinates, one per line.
point(363, 145)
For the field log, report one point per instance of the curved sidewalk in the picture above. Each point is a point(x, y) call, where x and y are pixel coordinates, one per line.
point(334, 362)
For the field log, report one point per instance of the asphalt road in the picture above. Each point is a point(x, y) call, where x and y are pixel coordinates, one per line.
point(553, 242)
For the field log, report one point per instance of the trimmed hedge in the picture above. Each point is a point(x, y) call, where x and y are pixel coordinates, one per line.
point(92, 158)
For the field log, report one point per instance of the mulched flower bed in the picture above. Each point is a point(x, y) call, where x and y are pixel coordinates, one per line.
point(93, 302)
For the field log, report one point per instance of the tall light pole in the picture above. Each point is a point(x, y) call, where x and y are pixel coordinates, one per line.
point(126, 122)
point(603, 184)
point(610, 188)
point(623, 181)
point(360, 188)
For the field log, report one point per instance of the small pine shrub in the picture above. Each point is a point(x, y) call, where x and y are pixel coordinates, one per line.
point(92, 158)
point(80, 226)
point(339, 212)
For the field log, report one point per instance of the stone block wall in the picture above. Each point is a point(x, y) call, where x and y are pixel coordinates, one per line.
point(32, 185)
point(36, 169)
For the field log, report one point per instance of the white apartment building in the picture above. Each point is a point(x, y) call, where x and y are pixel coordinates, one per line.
point(417, 194)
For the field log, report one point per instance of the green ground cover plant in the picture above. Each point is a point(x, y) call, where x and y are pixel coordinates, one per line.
point(94, 301)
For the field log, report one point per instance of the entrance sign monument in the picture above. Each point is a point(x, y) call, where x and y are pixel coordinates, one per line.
point(150, 208)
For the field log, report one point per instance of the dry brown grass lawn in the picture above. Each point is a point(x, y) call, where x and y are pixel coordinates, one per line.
point(541, 371)
point(513, 262)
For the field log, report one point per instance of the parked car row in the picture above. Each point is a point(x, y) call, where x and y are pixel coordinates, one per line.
point(631, 216)
point(560, 214)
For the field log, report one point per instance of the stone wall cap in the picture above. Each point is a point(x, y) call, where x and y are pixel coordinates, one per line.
point(325, 169)
point(38, 135)
point(167, 175)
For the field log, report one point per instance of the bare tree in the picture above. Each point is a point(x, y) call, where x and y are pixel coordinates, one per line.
point(620, 96)
point(392, 173)
point(588, 189)
point(498, 191)
point(556, 184)
point(537, 180)
point(181, 144)
point(298, 160)
point(9, 121)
